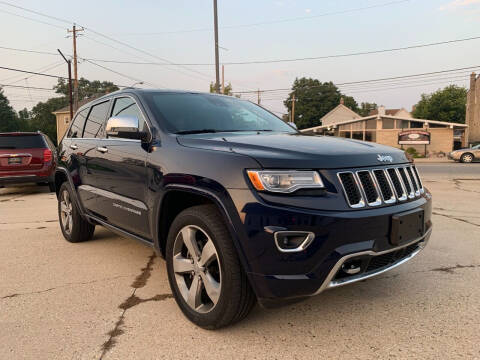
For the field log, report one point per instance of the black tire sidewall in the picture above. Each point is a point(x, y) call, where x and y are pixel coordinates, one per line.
point(207, 320)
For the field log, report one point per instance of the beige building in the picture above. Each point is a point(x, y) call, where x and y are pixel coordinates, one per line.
point(473, 110)
point(338, 114)
point(399, 129)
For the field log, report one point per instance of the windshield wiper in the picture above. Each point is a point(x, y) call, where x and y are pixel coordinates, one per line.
point(200, 131)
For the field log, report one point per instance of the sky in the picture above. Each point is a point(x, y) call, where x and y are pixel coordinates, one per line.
point(162, 31)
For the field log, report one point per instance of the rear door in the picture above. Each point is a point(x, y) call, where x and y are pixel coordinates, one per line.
point(21, 153)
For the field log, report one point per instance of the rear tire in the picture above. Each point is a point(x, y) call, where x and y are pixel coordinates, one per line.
point(74, 227)
point(466, 158)
point(223, 294)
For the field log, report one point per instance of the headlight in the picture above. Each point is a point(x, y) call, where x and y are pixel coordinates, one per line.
point(284, 181)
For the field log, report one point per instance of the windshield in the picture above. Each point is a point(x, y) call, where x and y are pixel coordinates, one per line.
point(191, 113)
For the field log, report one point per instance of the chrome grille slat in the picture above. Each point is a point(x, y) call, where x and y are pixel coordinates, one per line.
point(369, 188)
point(375, 187)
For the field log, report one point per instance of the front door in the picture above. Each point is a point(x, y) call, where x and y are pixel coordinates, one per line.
point(119, 172)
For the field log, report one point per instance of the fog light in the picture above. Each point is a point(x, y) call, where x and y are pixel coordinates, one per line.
point(293, 241)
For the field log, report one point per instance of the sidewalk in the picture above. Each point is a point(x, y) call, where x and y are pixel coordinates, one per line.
point(434, 160)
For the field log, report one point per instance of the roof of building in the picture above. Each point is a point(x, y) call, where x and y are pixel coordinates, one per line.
point(340, 107)
point(390, 112)
point(315, 128)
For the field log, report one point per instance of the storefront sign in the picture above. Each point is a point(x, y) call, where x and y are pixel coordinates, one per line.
point(414, 137)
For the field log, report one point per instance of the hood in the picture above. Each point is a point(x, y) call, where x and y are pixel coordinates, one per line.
point(280, 150)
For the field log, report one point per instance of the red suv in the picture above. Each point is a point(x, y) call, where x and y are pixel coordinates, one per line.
point(27, 157)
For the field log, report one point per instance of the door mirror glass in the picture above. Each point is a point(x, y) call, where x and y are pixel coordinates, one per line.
point(124, 126)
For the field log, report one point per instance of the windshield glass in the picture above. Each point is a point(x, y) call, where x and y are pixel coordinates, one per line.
point(190, 113)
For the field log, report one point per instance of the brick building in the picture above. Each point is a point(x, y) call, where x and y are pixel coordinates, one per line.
point(396, 128)
point(473, 110)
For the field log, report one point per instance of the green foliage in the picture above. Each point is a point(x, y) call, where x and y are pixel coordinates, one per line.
point(86, 88)
point(366, 107)
point(414, 153)
point(8, 117)
point(448, 104)
point(314, 99)
point(41, 117)
point(226, 91)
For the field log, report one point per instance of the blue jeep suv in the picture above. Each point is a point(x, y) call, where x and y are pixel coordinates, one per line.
point(241, 205)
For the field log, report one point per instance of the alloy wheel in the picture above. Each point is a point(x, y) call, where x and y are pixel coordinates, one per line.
point(66, 212)
point(197, 269)
point(467, 158)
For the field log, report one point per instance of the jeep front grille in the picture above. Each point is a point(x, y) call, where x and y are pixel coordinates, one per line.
point(380, 186)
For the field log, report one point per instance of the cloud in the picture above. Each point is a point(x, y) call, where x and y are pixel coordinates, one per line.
point(458, 4)
point(308, 11)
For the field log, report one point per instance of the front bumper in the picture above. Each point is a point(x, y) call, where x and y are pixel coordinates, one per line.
point(339, 237)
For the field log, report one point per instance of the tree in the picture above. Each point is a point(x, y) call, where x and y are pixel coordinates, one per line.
point(314, 99)
point(226, 91)
point(366, 107)
point(448, 104)
point(8, 117)
point(41, 117)
point(86, 88)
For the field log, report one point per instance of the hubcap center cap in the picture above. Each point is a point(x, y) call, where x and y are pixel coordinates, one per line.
point(198, 269)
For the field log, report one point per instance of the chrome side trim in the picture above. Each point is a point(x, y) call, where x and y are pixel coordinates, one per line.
point(15, 155)
point(108, 194)
point(329, 283)
point(16, 176)
point(306, 243)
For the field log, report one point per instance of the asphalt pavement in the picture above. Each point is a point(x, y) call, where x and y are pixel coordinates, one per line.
point(109, 298)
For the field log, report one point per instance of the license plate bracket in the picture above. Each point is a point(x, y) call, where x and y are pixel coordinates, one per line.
point(407, 226)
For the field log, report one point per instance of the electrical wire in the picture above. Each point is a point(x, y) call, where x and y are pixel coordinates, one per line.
point(301, 18)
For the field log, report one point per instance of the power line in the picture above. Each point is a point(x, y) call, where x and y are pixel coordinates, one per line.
point(32, 72)
point(333, 56)
point(363, 81)
point(301, 18)
point(106, 37)
point(31, 19)
point(25, 87)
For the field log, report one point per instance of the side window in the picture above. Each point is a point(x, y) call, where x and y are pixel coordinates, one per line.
point(128, 107)
point(76, 129)
point(95, 121)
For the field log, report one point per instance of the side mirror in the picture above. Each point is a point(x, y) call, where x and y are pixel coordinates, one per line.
point(292, 124)
point(125, 127)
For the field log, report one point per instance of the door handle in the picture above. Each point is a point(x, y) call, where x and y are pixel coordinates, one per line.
point(73, 147)
point(102, 149)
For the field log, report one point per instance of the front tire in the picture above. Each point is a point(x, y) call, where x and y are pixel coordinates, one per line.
point(466, 158)
point(205, 275)
point(74, 227)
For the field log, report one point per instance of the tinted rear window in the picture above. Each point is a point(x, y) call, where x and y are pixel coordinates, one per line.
point(22, 142)
point(95, 120)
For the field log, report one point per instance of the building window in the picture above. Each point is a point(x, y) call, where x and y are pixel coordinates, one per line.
point(66, 119)
point(346, 134)
point(416, 125)
point(402, 124)
point(371, 124)
point(371, 136)
point(357, 135)
point(388, 124)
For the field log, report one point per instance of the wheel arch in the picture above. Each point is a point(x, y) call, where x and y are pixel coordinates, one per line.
point(180, 197)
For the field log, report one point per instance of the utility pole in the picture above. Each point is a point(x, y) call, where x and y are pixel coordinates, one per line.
point(258, 97)
point(69, 63)
point(74, 32)
point(293, 109)
point(217, 70)
point(223, 79)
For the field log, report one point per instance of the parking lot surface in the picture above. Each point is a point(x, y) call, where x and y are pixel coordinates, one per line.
point(109, 298)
